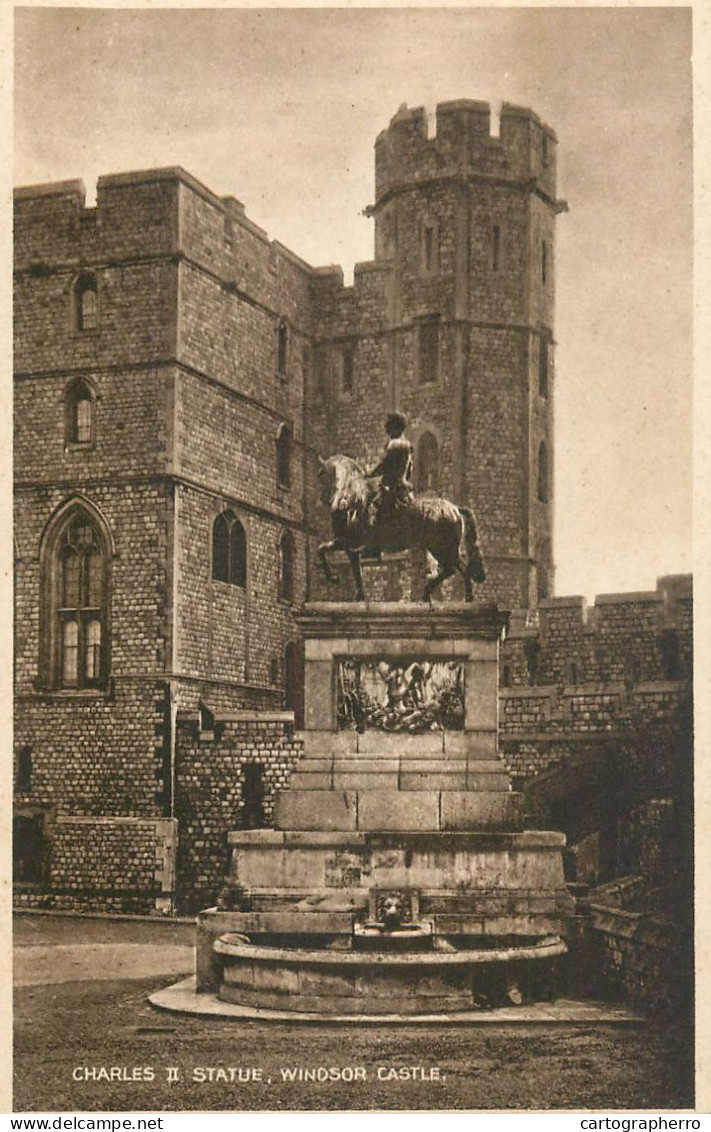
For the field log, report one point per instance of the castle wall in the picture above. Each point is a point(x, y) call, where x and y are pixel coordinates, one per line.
point(621, 670)
point(210, 800)
point(127, 241)
point(105, 864)
point(226, 632)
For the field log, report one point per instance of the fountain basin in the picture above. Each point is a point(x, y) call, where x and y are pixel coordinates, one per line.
point(321, 981)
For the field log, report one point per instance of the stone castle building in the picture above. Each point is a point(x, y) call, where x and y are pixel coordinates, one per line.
point(177, 375)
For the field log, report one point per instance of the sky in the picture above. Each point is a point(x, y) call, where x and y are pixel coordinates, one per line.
point(280, 108)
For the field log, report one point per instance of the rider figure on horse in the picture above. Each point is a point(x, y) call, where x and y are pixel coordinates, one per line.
point(395, 470)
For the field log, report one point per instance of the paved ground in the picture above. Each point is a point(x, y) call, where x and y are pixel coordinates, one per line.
point(82, 1008)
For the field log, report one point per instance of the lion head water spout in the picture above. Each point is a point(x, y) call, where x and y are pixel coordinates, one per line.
point(393, 927)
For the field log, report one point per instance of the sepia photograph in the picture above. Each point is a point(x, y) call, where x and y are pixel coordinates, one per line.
point(352, 560)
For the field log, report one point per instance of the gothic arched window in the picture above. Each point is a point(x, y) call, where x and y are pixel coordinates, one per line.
point(75, 569)
point(283, 447)
point(86, 303)
point(287, 557)
point(427, 464)
point(542, 472)
point(79, 413)
point(229, 550)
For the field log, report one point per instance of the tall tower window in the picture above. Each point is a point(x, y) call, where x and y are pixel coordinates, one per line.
point(495, 247)
point(545, 151)
point(544, 262)
point(229, 550)
point(543, 365)
point(293, 681)
point(86, 303)
point(428, 350)
point(228, 232)
point(543, 472)
point(348, 368)
point(427, 464)
point(79, 413)
point(671, 661)
point(288, 671)
point(532, 653)
point(287, 556)
point(252, 795)
point(282, 343)
point(430, 247)
point(28, 848)
point(543, 557)
point(283, 447)
point(24, 770)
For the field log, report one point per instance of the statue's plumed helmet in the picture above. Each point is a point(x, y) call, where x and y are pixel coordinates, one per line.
point(395, 424)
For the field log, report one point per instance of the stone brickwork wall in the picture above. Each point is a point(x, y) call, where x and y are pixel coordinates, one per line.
point(570, 674)
point(225, 632)
point(642, 957)
point(639, 935)
point(186, 408)
point(95, 755)
point(128, 241)
point(209, 800)
point(106, 865)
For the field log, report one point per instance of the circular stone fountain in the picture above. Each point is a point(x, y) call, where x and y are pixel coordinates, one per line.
point(310, 980)
point(398, 880)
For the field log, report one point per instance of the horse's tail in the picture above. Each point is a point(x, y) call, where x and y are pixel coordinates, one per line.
point(473, 556)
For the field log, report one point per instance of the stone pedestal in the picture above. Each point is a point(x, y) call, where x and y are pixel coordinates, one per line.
point(401, 795)
point(432, 769)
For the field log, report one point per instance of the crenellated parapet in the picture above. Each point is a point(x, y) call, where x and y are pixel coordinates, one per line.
point(523, 151)
point(575, 674)
point(626, 638)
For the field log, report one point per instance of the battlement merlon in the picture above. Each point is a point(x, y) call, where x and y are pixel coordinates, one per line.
point(668, 606)
point(522, 154)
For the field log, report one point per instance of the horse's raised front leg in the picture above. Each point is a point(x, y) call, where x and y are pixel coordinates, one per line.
point(354, 559)
point(323, 550)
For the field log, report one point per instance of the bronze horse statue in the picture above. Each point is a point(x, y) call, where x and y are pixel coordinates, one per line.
point(422, 522)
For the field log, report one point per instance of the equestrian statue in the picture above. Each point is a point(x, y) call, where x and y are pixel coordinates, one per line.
point(366, 521)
